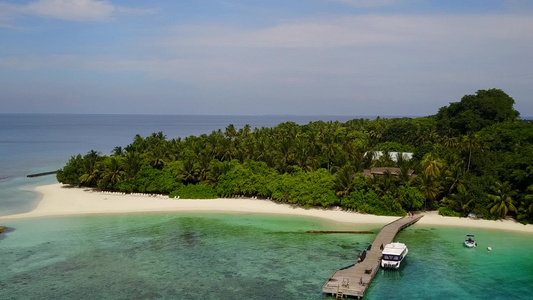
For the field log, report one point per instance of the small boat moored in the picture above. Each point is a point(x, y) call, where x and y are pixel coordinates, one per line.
point(470, 242)
point(392, 255)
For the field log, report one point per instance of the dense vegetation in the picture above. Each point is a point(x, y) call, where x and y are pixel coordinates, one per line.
point(473, 156)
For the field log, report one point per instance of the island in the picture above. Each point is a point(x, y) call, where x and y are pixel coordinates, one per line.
point(471, 159)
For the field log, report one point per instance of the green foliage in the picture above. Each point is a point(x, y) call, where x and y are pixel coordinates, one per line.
point(410, 198)
point(476, 112)
point(517, 167)
point(421, 151)
point(72, 171)
point(448, 212)
point(502, 196)
point(395, 147)
point(195, 191)
point(245, 179)
point(150, 180)
point(459, 154)
point(507, 136)
point(369, 202)
point(312, 189)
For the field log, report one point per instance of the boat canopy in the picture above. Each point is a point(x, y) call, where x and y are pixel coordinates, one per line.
point(394, 249)
point(470, 235)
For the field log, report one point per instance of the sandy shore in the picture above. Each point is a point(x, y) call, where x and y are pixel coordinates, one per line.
point(61, 200)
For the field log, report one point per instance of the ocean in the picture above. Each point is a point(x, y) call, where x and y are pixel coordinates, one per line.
point(213, 256)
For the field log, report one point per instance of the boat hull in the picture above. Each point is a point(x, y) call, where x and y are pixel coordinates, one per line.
point(390, 265)
point(470, 245)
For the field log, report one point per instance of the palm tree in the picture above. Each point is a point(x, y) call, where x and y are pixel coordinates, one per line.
point(113, 172)
point(117, 151)
point(432, 165)
point(405, 173)
point(188, 172)
point(430, 187)
point(344, 180)
point(529, 197)
point(502, 198)
point(204, 164)
point(329, 147)
point(450, 142)
point(230, 132)
point(455, 177)
point(525, 210)
point(303, 155)
point(157, 157)
point(91, 162)
point(470, 142)
point(132, 164)
point(459, 201)
point(285, 154)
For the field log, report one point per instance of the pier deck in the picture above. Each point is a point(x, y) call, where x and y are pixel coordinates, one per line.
point(346, 282)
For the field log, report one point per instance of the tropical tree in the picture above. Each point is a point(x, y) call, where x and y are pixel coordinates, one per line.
point(455, 177)
point(113, 172)
point(230, 132)
point(470, 143)
point(529, 198)
point(91, 170)
point(117, 151)
point(188, 172)
point(132, 164)
point(502, 199)
point(525, 211)
point(459, 201)
point(430, 187)
point(432, 165)
point(344, 180)
point(475, 112)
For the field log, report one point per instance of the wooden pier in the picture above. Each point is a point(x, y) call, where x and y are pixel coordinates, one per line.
point(346, 282)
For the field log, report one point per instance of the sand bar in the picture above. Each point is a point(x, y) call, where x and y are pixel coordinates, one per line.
point(62, 200)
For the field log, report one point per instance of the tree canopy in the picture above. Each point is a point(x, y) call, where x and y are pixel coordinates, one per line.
point(475, 112)
point(461, 159)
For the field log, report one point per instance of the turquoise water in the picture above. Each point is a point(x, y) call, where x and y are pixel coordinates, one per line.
point(201, 256)
point(183, 256)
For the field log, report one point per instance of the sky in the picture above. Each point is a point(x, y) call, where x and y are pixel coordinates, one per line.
point(243, 57)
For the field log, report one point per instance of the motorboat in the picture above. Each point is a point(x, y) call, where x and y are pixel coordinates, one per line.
point(470, 242)
point(392, 255)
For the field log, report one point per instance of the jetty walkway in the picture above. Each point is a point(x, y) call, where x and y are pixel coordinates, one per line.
point(346, 282)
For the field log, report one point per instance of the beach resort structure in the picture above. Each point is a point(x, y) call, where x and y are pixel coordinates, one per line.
point(382, 170)
point(353, 280)
point(393, 155)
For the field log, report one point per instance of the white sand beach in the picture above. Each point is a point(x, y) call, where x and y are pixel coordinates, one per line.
point(63, 200)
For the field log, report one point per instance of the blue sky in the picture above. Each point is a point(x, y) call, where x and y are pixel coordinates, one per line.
point(312, 57)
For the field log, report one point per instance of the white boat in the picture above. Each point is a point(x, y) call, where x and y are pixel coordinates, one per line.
point(393, 255)
point(470, 242)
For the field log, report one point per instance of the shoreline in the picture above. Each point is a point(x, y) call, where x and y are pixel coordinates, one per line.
point(62, 200)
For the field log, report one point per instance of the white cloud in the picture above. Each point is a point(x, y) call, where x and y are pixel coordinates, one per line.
point(369, 3)
point(359, 31)
point(69, 10)
point(378, 60)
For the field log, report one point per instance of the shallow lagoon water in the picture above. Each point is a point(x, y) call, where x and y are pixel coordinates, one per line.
point(200, 256)
point(205, 256)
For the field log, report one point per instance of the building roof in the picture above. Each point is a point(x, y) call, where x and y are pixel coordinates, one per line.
point(382, 170)
point(393, 155)
point(394, 248)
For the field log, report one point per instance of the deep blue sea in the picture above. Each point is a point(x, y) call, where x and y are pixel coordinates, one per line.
point(213, 256)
